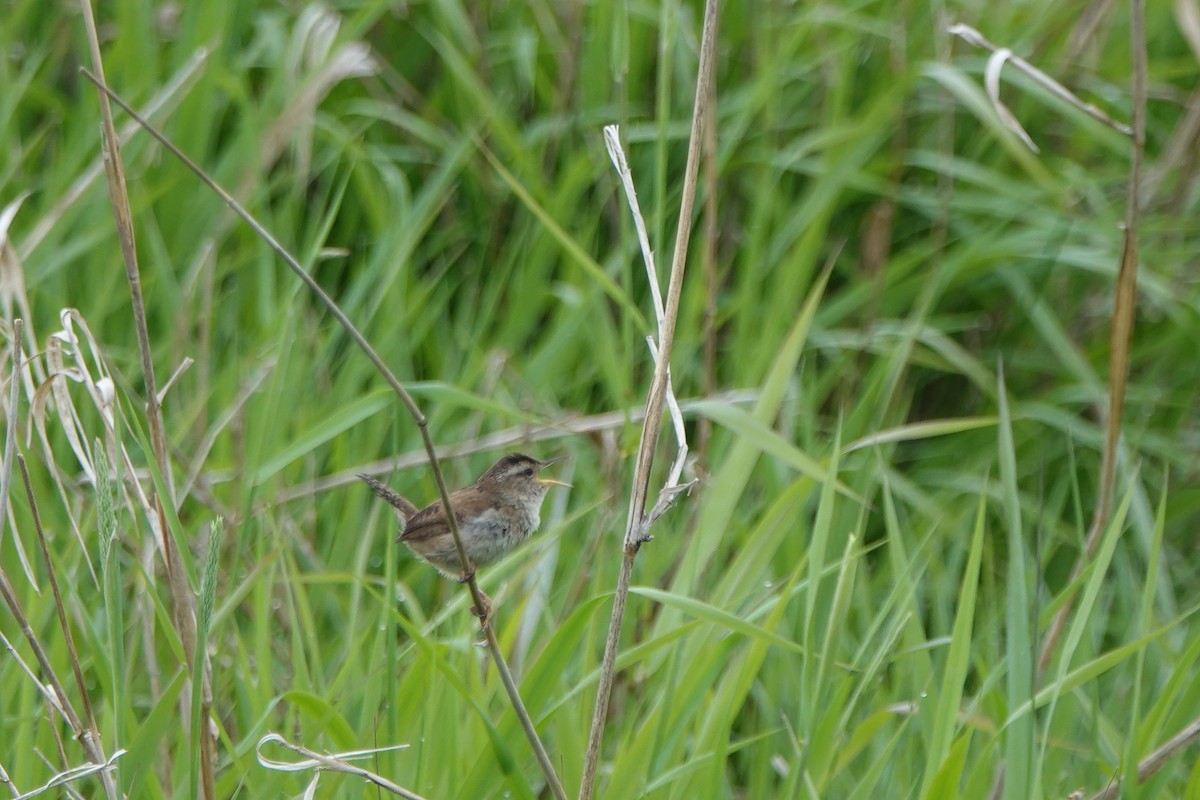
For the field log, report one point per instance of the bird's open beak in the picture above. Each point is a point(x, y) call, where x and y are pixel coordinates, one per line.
point(551, 481)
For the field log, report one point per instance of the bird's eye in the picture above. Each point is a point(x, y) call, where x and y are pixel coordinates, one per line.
point(528, 473)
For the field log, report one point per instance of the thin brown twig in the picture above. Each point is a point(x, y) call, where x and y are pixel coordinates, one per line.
point(410, 404)
point(68, 637)
point(1124, 301)
point(636, 527)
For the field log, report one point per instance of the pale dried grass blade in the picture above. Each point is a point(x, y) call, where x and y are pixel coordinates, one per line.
point(338, 762)
point(992, 82)
point(72, 774)
point(612, 143)
point(671, 490)
point(73, 354)
point(183, 367)
point(974, 37)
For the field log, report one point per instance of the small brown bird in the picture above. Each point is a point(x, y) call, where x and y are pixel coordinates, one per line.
point(495, 515)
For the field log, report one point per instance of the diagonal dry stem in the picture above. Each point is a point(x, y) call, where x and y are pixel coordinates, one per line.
point(1153, 763)
point(636, 529)
point(68, 637)
point(410, 404)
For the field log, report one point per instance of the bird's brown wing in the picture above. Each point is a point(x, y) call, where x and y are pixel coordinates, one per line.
point(426, 523)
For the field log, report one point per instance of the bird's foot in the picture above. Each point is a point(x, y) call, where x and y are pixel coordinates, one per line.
point(485, 616)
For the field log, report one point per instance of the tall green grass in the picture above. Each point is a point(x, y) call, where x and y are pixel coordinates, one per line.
point(849, 604)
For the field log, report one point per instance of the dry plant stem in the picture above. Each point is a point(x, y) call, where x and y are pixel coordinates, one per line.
point(635, 530)
point(420, 419)
point(183, 602)
point(1122, 331)
point(1154, 762)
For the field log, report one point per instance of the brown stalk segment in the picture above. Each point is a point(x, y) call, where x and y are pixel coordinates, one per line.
point(1124, 304)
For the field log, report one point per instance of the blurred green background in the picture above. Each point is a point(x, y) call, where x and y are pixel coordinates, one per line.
point(881, 534)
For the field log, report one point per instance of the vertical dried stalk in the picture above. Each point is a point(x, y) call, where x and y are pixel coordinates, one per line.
point(183, 602)
point(636, 532)
point(1124, 301)
point(419, 418)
